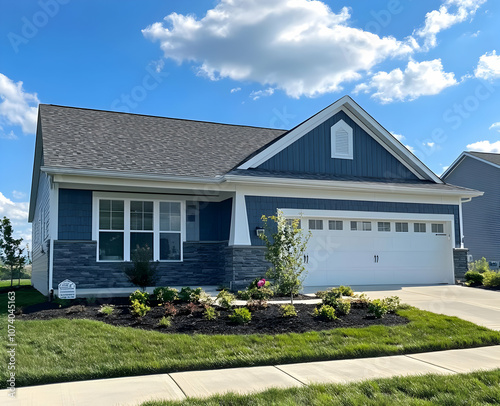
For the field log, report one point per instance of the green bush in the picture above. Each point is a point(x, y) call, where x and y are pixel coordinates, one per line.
point(143, 273)
point(165, 322)
point(342, 307)
point(244, 294)
point(474, 277)
point(392, 303)
point(139, 309)
point(288, 311)
point(141, 297)
point(491, 279)
point(480, 265)
point(107, 310)
point(330, 297)
point(210, 313)
point(185, 294)
point(345, 290)
point(326, 312)
point(241, 316)
point(165, 294)
point(192, 295)
point(378, 308)
point(225, 299)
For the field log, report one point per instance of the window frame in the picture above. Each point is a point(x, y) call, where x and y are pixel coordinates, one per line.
point(127, 198)
point(362, 224)
point(336, 222)
point(437, 232)
point(401, 223)
point(419, 228)
point(381, 226)
point(315, 223)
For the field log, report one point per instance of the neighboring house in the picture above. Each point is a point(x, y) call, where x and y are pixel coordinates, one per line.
point(105, 183)
point(481, 217)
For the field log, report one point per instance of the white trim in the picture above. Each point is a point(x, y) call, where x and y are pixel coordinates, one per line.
point(341, 125)
point(54, 227)
point(240, 233)
point(461, 219)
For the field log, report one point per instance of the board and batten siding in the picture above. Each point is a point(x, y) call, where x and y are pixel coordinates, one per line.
point(41, 237)
point(312, 154)
point(75, 215)
point(481, 216)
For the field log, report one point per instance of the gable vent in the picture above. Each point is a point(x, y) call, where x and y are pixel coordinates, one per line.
point(342, 140)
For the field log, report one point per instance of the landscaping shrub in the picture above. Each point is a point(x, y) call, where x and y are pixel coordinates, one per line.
point(225, 299)
point(107, 310)
point(377, 307)
point(474, 277)
point(345, 290)
point(244, 294)
point(139, 309)
point(241, 316)
point(210, 313)
point(342, 307)
point(185, 294)
point(480, 266)
point(392, 303)
point(141, 297)
point(288, 311)
point(256, 304)
point(170, 309)
point(191, 308)
point(192, 295)
point(326, 312)
point(165, 294)
point(165, 322)
point(143, 273)
point(491, 279)
point(75, 309)
point(330, 297)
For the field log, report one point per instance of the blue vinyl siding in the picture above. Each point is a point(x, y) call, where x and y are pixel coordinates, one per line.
point(481, 216)
point(75, 214)
point(312, 154)
point(215, 220)
point(262, 205)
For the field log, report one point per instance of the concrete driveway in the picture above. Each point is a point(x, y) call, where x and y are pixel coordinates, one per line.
point(479, 306)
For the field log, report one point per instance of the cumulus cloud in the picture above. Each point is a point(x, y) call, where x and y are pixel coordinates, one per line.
point(450, 13)
point(18, 195)
point(485, 146)
point(495, 126)
point(399, 137)
point(299, 46)
point(17, 107)
point(488, 67)
point(418, 79)
point(255, 95)
point(17, 212)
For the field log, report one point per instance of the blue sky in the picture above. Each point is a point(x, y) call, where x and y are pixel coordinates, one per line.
point(427, 70)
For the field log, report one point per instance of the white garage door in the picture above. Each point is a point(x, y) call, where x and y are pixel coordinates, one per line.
point(373, 251)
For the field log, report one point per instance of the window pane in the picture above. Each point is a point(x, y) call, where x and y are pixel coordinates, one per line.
point(141, 240)
point(315, 224)
point(111, 246)
point(367, 226)
point(335, 225)
point(401, 227)
point(170, 216)
point(384, 226)
point(104, 220)
point(438, 228)
point(354, 225)
point(105, 205)
point(419, 227)
point(170, 246)
point(141, 215)
point(111, 214)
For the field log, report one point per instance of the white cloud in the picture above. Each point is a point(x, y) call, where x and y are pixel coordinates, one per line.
point(450, 13)
point(9, 136)
point(158, 65)
point(444, 169)
point(495, 126)
point(399, 137)
point(485, 146)
point(299, 46)
point(18, 195)
point(255, 95)
point(412, 150)
point(488, 66)
point(18, 215)
point(236, 89)
point(16, 106)
point(429, 144)
point(418, 79)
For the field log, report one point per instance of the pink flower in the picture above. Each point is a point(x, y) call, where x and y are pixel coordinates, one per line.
point(261, 283)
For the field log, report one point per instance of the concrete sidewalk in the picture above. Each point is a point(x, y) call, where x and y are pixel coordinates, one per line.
point(176, 386)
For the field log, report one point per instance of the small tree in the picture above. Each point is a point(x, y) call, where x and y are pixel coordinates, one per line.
point(143, 272)
point(285, 252)
point(10, 249)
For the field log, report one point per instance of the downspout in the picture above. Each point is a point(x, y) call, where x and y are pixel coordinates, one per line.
point(54, 218)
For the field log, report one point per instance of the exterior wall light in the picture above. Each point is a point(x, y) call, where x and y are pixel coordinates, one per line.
point(259, 231)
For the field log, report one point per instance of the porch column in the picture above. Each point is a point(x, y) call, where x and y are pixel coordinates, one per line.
point(239, 234)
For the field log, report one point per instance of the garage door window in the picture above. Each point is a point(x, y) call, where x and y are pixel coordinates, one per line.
point(335, 225)
point(419, 227)
point(401, 227)
point(437, 228)
point(289, 223)
point(384, 226)
point(361, 226)
point(315, 224)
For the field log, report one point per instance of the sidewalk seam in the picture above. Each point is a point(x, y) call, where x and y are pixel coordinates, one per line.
point(179, 386)
point(430, 363)
point(291, 376)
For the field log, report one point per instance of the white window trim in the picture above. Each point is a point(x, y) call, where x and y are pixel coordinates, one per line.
point(341, 125)
point(127, 198)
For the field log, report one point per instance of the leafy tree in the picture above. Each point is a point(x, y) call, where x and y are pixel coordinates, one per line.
point(11, 252)
point(285, 252)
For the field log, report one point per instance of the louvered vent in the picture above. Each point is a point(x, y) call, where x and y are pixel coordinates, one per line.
point(342, 142)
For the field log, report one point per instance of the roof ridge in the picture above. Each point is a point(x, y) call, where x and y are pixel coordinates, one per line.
point(163, 117)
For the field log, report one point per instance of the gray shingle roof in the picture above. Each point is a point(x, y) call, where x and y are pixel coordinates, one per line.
point(487, 156)
point(102, 140)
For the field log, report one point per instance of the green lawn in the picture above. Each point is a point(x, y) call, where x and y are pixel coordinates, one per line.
point(6, 283)
point(67, 350)
point(479, 388)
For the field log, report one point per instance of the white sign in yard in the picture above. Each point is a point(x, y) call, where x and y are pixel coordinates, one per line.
point(66, 290)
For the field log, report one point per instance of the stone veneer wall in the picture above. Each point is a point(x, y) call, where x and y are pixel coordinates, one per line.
point(243, 264)
point(460, 262)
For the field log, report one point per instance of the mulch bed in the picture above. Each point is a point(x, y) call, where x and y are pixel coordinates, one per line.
point(264, 321)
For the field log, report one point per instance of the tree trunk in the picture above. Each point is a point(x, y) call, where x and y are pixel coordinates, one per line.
point(291, 299)
point(11, 276)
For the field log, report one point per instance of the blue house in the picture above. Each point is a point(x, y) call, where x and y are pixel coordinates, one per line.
point(106, 182)
point(481, 217)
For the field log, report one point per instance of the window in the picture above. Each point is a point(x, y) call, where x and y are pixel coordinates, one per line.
point(315, 224)
point(342, 140)
point(384, 226)
point(289, 222)
point(361, 226)
point(437, 228)
point(401, 227)
point(419, 227)
point(124, 225)
point(335, 225)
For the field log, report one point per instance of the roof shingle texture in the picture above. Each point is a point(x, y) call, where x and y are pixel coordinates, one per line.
point(487, 156)
point(102, 140)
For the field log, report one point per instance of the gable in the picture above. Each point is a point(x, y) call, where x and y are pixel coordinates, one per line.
point(316, 152)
